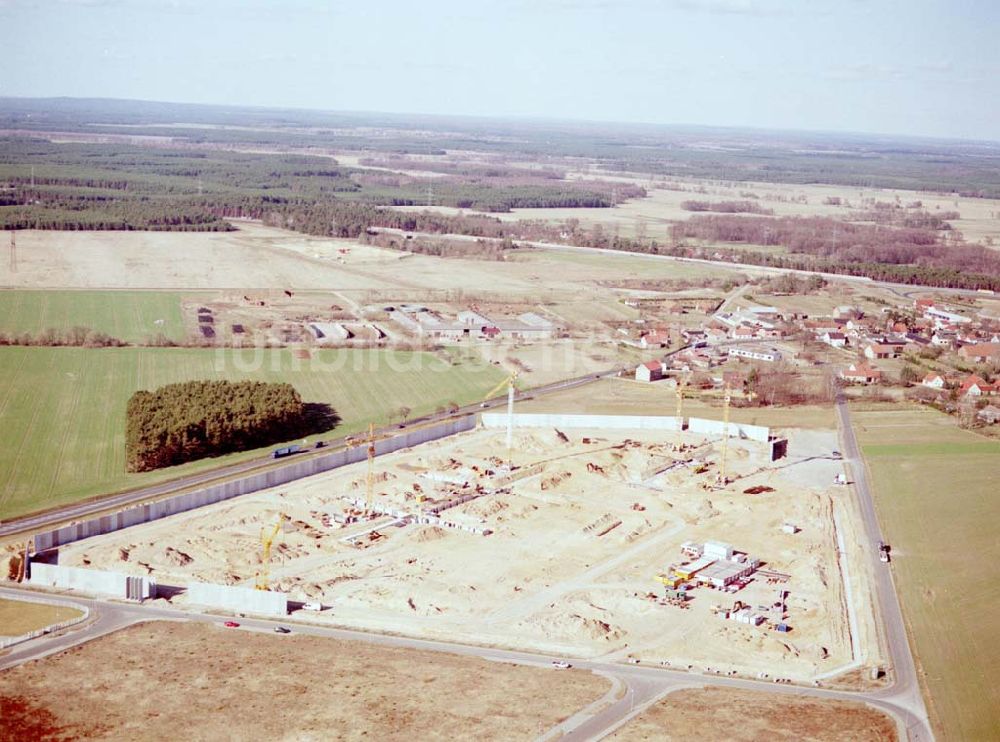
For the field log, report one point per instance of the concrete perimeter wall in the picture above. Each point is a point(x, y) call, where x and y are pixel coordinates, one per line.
point(736, 430)
point(245, 485)
point(92, 581)
point(626, 422)
point(238, 599)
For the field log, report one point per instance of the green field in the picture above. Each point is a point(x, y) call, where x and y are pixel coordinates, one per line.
point(131, 316)
point(62, 410)
point(626, 397)
point(936, 489)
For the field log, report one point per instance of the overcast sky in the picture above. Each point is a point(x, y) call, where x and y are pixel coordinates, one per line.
point(927, 67)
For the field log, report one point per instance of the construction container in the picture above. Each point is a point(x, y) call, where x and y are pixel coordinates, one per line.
point(783, 628)
point(718, 550)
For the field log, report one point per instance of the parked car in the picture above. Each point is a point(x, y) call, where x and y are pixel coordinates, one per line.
point(561, 664)
point(282, 630)
point(231, 624)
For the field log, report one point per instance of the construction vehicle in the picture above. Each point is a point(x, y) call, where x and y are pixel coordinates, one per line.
point(266, 541)
point(509, 382)
point(883, 552)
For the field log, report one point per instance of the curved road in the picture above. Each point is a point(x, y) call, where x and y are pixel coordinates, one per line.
point(643, 685)
point(905, 690)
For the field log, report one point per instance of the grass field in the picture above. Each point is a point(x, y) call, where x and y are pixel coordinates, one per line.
point(131, 316)
point(19, 617)
point(936, 490)
point(62, 410)
point(626, 397)
point(747, 716)
point(171, 680)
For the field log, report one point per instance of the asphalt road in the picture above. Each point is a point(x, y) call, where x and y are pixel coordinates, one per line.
point(643, 685)
point(905, 690)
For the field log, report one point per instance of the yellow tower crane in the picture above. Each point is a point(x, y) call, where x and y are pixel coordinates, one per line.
point(266, 541)
point(509, 382)
point(723, 478)
point(682, 382)
point(370, 477)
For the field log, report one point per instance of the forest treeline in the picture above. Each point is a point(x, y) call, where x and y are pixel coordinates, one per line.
point(67, 186)
point(194, 419)
point(969, 168)
point(44, 185)
point(727, 207)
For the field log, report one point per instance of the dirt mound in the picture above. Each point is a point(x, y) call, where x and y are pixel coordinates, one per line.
point(485, 507)
point(431, 533)
point(176, 558)
point(574, 625)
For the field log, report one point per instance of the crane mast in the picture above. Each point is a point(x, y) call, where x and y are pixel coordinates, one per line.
point(723, 478)
point(509, 381)
point(266, 541)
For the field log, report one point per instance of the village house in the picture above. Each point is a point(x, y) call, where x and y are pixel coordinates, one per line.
point(876, 351)
point(975, 386)
point(834, 339)
point(649, 371)
point(934, 381)
point(860, 373)
point(981, 352)
point(990, 414)
point(656, 339)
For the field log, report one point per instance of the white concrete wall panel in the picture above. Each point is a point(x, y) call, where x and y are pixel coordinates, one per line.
point(245, 485)
point(238, 599)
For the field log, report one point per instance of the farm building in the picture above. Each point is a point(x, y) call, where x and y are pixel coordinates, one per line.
point(980, 352)
point(326, 332)
point(757, 354)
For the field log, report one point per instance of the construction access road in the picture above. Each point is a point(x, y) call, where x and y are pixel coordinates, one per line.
point(640, 686)
point(905, 689)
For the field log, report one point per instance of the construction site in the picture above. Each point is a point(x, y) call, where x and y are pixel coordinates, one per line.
point(636, 538)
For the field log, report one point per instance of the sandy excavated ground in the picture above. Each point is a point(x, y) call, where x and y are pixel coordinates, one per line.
point(170, 681)
point(546, 578)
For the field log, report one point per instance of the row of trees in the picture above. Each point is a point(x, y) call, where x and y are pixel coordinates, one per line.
point(83, 337)
point(194, 419)
point(726, 207)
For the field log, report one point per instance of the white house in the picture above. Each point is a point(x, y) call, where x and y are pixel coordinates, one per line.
point(834, 339)
point(934, 381)
point(649, 371)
